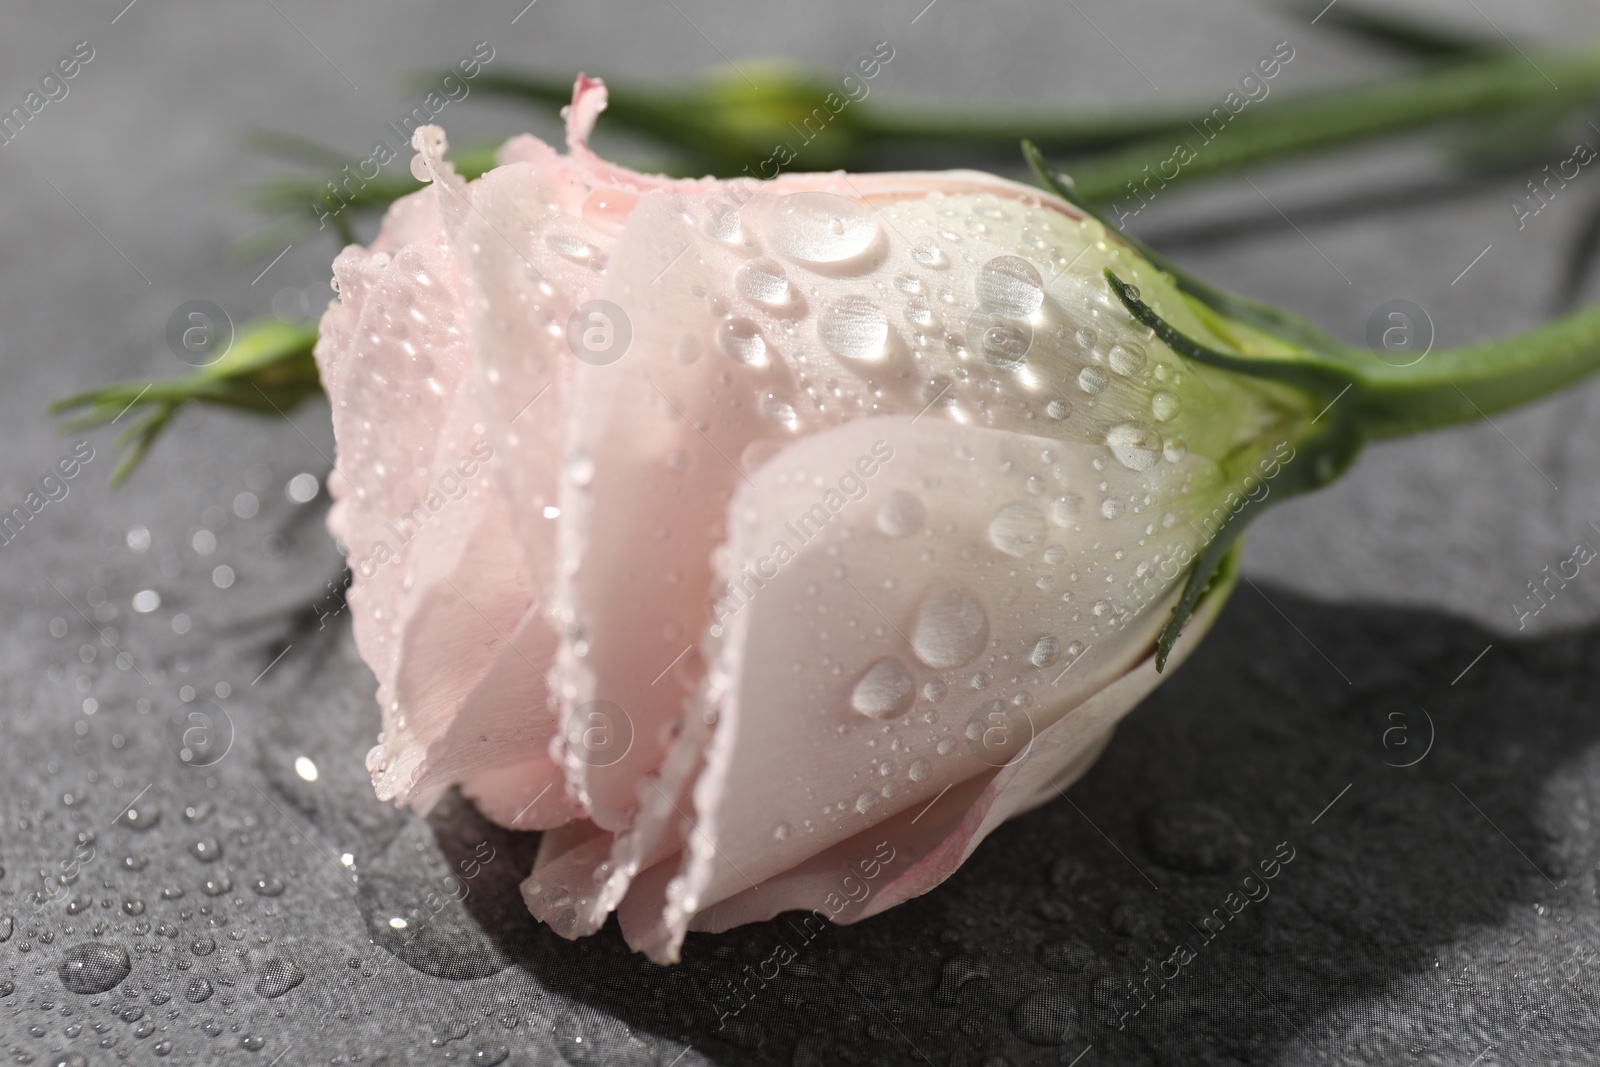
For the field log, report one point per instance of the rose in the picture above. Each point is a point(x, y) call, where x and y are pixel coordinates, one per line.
point(622, 638)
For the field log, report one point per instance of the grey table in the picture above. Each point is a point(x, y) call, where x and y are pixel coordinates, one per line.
point(1443, 913)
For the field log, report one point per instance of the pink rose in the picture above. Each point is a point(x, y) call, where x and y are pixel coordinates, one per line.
point(838, 532)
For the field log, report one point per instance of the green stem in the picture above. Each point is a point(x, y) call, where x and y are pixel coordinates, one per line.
point(1052, 129)
point(1465, 384)
point(707, 121)
point(1409, 33)
point(1461, 89)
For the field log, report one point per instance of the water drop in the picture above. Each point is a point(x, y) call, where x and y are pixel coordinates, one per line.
point(951, 627)
point(855, 328)
point(763, 282)
point(1193, 837)
point(780, 411)
point(902, 514)
point(821, 229)
point(1058, 409)
point(1163, 406)
point(1002, 342)
point(741, 340)
point(724, 225)
point(278, 976)
point(1045, 1017)
point(1126, 359)
point(140, 816)
point(93, 967)
point(1011, 286)
point(1064, 509)
point(1018, 529)
point(570, 247)
point(1136, 447)
point(884, 689)
point(920, 769)
point(917, 312)
point(198, 991)
point(1045, 651)
point(1068, 957)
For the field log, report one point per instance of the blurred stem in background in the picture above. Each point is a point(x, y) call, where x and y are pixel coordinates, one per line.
point(1501, 103)
point(268, 368)
point(1513, 103)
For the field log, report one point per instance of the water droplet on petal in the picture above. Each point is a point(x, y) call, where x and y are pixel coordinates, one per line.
point(1163, 406)
point(1064, 509)
point(763, 282)
point(1136, 447)
point(1011, 286)
point(855, 328)
point(1018, 529)
point(724, 225)
point(884, 689)
point(741, 340)
point(902, 514)
point(780, 411)
point(1045, 651)
point(1002, 341)
point(1126, 359)
point(1091, 380)
point(821, 228)
point(951, 627)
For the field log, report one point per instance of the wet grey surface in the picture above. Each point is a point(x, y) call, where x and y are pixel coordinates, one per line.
point(1432, 914)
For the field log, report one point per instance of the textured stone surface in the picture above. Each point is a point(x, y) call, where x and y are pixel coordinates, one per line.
point(1432, 914)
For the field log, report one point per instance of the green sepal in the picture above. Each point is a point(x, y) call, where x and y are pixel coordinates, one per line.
point(1289, 327)
point(1318, 460)
point(1209, 575)
point(1322, 379)
point(1326, 452)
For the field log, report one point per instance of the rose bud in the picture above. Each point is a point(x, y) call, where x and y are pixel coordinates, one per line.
point(768, 544)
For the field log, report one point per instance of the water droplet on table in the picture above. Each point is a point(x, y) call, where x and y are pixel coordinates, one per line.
point(93, 967)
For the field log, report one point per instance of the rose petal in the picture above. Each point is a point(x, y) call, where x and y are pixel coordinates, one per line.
point(927, 847)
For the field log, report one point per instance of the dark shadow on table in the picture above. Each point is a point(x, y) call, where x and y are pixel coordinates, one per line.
point(1030, 953)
